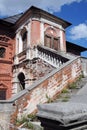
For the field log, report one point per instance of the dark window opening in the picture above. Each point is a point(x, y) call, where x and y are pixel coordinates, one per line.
point(2, 94)
point(24, 39)
point(2, 52)
point(21, 78)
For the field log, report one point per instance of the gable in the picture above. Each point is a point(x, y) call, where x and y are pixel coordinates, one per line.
point(3, 85)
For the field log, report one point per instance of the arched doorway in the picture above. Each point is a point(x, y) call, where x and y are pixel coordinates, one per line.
point(21, 78)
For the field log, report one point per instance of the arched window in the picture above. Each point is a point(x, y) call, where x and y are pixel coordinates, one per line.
point(24, 38)
point(2, 52)
point(21, 78)
point(51, 38)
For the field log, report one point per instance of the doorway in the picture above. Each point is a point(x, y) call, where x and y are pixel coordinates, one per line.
point(21, 78)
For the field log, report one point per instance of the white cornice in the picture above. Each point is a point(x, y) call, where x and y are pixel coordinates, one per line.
point(41, 20)
point(49, 22)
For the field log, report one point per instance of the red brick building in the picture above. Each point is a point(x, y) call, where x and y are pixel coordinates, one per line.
point(20, 36)
point(6, 59)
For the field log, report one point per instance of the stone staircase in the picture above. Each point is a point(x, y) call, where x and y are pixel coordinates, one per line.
point(49, 86)
point(69, 94)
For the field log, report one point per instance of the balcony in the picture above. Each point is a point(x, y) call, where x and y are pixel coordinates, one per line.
point(51, 56)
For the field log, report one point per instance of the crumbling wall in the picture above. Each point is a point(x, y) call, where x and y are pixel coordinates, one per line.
point(41, 91)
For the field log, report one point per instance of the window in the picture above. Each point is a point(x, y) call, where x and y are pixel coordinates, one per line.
point(2, 94)
point(52, 42)
point(48, 41)
point(2, 52)
point(24, 39)
point(56, 44)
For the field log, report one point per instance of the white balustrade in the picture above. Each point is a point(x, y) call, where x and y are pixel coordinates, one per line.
point(51, 60)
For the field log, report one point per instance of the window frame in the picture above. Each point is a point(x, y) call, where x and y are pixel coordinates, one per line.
point(3, 53)
point(52, 38)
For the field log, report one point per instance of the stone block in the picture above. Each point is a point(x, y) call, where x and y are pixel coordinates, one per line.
point(59, 116)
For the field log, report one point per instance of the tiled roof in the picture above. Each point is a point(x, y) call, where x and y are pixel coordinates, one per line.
point(12, 19)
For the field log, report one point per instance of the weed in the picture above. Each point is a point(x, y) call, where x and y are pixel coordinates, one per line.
point(21, 121)
point(65, 99)
point(65, 90)
point(80, 77)
point(72, 85)
point(49, 100)
point(32, 117)
point(29, 125)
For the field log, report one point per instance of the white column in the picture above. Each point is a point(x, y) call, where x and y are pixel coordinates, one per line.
point(28, 34)
point(20, 44)
point(61, 40)
point(42, 33)
point(28, 39)
point(17, 42)
point(16, 51)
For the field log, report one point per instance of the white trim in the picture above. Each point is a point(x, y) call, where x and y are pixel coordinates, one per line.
point(23, 25)
point(61, 41)
point(17, 46)
point(51, 27)
point(49, 22)
point(20, 45)
point(28, 34)
point(41, 20)
point(42, 33)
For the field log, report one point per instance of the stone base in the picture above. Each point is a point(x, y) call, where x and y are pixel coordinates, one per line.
point(63, 116)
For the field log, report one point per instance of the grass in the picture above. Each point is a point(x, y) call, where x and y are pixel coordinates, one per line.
point(26, 121)
point(49, 100)
point(28, 125)
point(75, 84)
point(65, 90)
point(72, 85)
point(32, 117)
point(64, 94)
point(65, 99)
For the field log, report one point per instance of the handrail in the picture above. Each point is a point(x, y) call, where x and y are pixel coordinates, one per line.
point(38, 82)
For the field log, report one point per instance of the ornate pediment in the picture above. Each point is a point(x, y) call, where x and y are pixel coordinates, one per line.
point(3, 85)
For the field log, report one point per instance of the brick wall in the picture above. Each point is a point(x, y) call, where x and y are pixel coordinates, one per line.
point(35, 32)
point(27, 100)
point(8, 43)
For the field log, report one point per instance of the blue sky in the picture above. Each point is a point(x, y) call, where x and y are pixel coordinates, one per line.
point(74, 11)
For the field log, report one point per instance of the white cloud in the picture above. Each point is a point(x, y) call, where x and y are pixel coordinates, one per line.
point(79, 32)
point(11, 7)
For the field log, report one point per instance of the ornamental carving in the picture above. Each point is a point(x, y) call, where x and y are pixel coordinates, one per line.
point(4, 38)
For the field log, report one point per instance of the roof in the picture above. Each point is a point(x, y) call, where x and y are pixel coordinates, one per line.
point(32, 9)
point(75, 47)
point(41, 13)
point(12, 19)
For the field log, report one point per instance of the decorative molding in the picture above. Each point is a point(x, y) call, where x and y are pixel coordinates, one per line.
point(4, 38)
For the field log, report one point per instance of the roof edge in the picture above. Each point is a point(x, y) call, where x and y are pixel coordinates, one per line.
point(83, 48)
point(45, 12)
